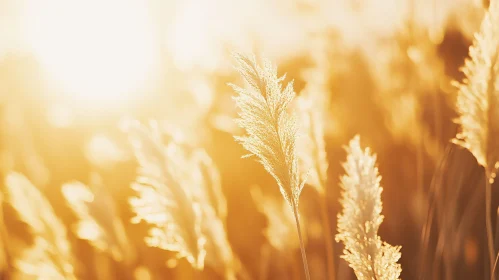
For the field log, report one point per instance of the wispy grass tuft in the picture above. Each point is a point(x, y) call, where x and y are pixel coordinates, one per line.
point(312, 159)
point(478, 107)
point(98, 219)
point(204, 180)
point(219, 253)
point(50, 257)
point(311, 146)
point(271, 129)
point(359, 222)
point(164, 201)
point(478, 95)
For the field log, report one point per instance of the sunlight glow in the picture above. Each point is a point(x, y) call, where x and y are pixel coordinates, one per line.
point(96, 51)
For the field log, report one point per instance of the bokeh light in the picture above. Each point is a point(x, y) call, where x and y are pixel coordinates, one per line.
point(99, 52)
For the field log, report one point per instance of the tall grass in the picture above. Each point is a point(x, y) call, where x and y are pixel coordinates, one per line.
point(98, 219)
point(477, 101)
point(50, 256)
point(186, 205)
point(312, 158)
point(272, 131)
point(176, 187)
point(164, 201)
point(359, 222)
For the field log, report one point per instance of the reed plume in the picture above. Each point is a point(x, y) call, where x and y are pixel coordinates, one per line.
point(98, 219)
point(477, 105)
point(271, 129)
point(311, 147)
point(210, 175)
point(164, 201)
point(219, 253)
point(197, 170)
point(312, 159)
point(358, 224)
point(50, 255)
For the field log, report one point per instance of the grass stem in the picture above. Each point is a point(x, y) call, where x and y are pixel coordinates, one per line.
point(302, 246)
point(331, 272)
point(488, 223)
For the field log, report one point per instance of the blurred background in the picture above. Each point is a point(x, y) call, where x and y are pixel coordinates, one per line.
point(72, 71)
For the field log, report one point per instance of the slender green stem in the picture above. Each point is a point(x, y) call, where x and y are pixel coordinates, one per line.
point(302, 246)
point(488, 223)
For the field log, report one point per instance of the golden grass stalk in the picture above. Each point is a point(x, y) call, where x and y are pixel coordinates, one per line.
point(311, 146)
point(162, 199)
point(98, 220)
point(219, 253)
point(212, 185)
point(50, 256)
point(4, 249)
point(358, 224)
point(271, 129)
point(199, 170)
point(196, 173)
point(312, 159)
point(477, 105)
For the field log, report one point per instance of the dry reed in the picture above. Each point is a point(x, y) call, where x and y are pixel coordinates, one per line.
point(98, 219)
point(359, 222)
point(50, 257)
point(271, 129)
point(164, 201)
point(477, 101)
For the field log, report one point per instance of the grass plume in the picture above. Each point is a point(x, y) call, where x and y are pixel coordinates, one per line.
point(311, 146)
point(361, 217)
point(271, 129)
point(50, 256)
point(164, 201)
point(98, 219)
point(219, 253)
point(312, 159)
point(198, 170)
point(477, 105)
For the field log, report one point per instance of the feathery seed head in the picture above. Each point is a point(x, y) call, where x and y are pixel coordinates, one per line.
point(50, 257)
point(359, 222)
point(164, 199)
point(207, 191)
point(478, 95)
point(271, 129)
point(311, 147)
point(98, 220)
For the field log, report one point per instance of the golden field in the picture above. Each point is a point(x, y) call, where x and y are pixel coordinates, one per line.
point(249, 139)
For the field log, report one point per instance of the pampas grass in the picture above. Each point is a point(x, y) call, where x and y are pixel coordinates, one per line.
point(219, 253)
point(311, 146)
point(361, 217)
point(98, 219)
point(312, 158)
point(271, 129)
point(190, 182)
point(477, 101)
point(203, 179)
point(162, 200)
point(50, 257)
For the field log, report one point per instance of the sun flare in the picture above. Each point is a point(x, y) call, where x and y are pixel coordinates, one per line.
point(96, 51)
